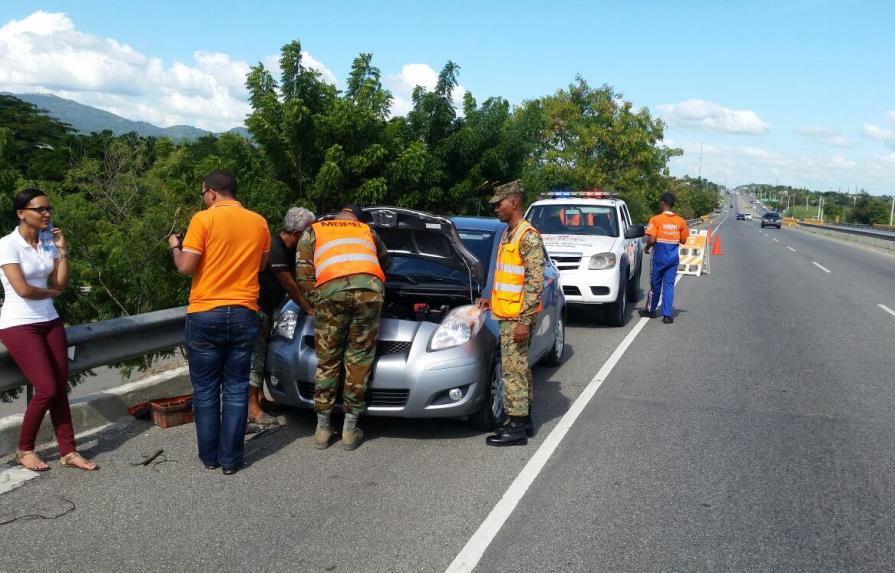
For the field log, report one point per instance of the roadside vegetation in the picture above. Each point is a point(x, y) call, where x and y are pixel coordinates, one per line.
point(858, 208)
point(316, 146)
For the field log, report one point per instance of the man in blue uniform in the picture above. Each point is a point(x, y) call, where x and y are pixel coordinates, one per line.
point(664, 234)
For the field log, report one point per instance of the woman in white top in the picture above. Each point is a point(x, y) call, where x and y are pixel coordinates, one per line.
point(31, 329)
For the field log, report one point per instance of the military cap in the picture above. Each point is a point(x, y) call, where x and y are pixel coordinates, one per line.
point(501, 192)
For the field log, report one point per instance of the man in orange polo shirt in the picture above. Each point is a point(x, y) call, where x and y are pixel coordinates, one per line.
point(225, 248)
point(664, 234)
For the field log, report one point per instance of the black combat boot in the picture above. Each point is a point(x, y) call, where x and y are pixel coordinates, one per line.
point(529, 426)
point(511, 434)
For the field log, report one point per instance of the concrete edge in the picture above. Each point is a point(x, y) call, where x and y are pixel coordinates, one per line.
point(95, 411)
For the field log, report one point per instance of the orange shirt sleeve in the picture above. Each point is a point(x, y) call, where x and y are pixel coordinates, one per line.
point(266, 248)
point(685, 232)
point(651, 228)
point(196, 234)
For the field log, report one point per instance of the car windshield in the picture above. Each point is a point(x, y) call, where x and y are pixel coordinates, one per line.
point(574, 220)
point(771, 216)
point(479, 244)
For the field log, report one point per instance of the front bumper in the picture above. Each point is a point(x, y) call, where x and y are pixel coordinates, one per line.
point(590, 287)
point(406, 381)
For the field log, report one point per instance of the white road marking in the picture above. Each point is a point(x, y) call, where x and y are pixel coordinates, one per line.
point(475, 548)
point(790, 248)
point(14, 477)
point(887, 309)
point(821, 267)
point(776, 240)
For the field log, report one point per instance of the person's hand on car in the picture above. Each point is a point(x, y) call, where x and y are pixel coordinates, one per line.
point(520, 332)
point(483, 303)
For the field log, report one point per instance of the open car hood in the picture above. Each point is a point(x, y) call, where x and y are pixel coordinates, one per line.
point(408, 233)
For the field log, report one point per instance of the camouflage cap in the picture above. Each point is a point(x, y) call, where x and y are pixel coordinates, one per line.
point(501, 192)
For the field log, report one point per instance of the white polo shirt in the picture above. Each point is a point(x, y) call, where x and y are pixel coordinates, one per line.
point(36, 265)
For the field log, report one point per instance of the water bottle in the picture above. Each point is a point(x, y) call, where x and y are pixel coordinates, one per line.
point(46, 240)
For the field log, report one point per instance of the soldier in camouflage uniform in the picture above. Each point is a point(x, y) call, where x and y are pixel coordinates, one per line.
point(346, 324)
point(516, 319)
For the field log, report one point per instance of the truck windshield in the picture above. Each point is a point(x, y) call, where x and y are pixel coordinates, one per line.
point(574, 219)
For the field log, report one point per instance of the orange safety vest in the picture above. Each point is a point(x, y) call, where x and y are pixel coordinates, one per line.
point(343, 248)
point(509, 276)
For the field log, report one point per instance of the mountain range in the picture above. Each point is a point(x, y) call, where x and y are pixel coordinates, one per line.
point(86, 119)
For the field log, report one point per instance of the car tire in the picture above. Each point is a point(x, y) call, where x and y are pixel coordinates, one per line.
point(634, 285)
point(490, 414)
point(554, 357)
point(619, 309)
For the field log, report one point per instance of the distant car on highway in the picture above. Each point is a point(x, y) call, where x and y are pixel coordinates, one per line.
point(437, 355)
point(771, 219)
point(741, 217)
point(748, 216)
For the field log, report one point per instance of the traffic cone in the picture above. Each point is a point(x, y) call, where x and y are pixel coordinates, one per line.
point(716, 248)
point(708, 240)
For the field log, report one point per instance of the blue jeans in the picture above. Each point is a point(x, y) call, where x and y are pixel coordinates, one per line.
point(219, 350)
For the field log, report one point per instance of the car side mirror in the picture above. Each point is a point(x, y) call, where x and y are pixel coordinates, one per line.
point(635, 232)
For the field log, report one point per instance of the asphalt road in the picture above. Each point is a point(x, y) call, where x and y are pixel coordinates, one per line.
point(754, 433)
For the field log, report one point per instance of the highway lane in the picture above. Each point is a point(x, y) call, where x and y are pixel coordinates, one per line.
point(754, 433)
point(863, 270)
point(404, 501)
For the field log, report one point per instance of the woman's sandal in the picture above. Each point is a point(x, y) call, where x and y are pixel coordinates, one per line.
point(21, 455)
point(67, 461)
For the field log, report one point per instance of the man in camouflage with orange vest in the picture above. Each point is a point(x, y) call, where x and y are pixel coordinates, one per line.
point(515, 303)
point(340, 266)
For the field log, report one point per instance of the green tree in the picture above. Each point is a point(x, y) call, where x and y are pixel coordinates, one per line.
point(592, 138)
point(283, 121)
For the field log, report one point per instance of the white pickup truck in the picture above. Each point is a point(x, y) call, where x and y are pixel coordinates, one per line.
point(590, 237)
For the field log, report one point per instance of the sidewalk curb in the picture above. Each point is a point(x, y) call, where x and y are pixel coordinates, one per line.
point(96, 410)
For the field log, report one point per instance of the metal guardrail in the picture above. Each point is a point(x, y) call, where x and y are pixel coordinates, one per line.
point(109, 342)
point(854, 230)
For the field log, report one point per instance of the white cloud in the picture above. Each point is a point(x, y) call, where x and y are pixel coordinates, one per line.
point(891, 115)
point(402, 85)
point(709, 116)
point(723, 162)
point(842, 163)
point(45, 53)
point(878, 133)
point(825, 135)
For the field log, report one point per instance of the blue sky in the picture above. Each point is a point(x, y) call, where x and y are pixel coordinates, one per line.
point(801, 92)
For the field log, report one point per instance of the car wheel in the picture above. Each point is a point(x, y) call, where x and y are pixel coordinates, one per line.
point(554, 357)
point(634, 285)
point(619, 309)
point(490, 413)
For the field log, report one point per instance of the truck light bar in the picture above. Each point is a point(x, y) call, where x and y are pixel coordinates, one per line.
point(586, 194)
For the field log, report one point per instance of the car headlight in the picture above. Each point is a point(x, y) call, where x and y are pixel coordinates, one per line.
point(286, 324)
point(458, 327)
point(601, 261)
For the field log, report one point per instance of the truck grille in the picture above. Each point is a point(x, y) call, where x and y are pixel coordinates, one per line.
point(568, 262)
point(383, 397)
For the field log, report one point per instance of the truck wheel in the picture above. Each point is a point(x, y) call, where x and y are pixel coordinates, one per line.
point(619, 309)
point(634, 285)
point(490, 414)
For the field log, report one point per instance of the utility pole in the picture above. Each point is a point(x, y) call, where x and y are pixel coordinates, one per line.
point(892, 212)
point(700, 161)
